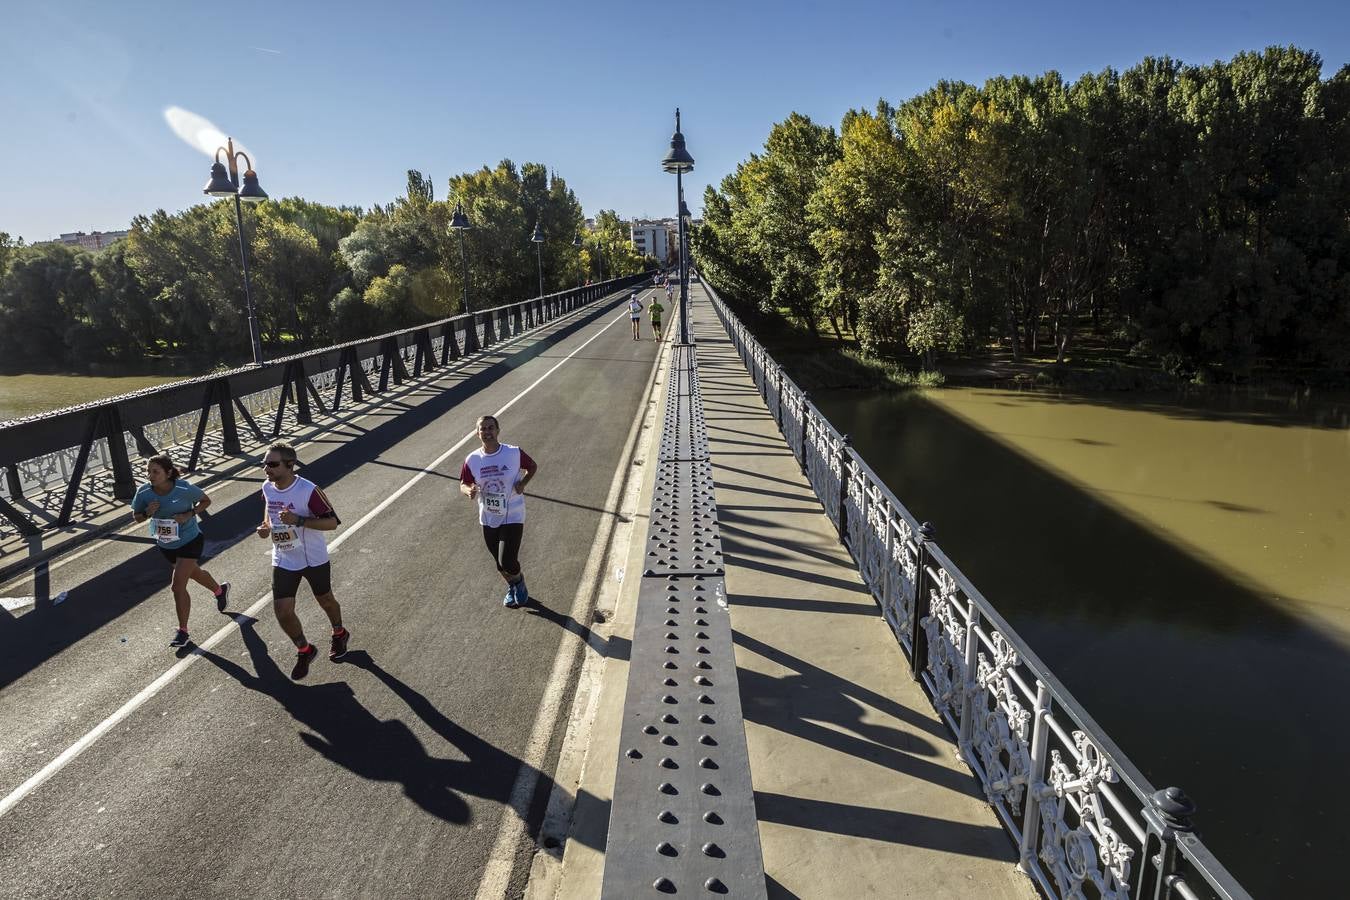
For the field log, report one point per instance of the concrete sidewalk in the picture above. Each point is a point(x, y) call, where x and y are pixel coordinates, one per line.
point(858, 788)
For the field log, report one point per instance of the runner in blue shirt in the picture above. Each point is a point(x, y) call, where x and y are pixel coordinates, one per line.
point(172, 505)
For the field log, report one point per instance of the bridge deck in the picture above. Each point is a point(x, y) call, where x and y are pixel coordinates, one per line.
point(857, 786)
point(405, 771)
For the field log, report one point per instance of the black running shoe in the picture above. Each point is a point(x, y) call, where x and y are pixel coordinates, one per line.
point(338, 648)
point(180, 639)
point(223, 598)
point(302, 660)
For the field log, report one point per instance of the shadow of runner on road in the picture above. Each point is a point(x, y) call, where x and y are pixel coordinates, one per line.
point(344, 732)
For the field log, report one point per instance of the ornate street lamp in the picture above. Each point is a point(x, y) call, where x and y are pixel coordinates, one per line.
point(538, 239)
point(678, 161)
point(227, 185)
point(460, 223)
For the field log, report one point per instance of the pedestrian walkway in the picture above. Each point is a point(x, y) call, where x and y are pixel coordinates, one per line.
point(858, 788)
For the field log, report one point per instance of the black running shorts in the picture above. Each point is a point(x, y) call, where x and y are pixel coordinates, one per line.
point(191, 550)
point(503, 542)
point(286, 583)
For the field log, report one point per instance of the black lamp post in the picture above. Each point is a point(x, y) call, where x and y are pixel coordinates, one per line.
point(576, 243)
point(678, 161)
point(538, 239)
point(227, 185)
point(460, 223)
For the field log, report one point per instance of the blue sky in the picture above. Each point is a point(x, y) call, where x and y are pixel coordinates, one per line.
point(338, 100)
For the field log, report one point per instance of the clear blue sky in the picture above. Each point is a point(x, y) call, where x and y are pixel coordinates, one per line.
point(338, 100)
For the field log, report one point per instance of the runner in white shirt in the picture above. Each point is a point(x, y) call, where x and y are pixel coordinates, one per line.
point(295, 513)
point(495, 475)
point(635, 313)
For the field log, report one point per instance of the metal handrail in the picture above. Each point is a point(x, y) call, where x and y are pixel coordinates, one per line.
point(64, 445)
point(1046, 767)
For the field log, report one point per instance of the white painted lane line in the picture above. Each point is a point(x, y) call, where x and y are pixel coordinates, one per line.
point(512, 832)
point(102, 728)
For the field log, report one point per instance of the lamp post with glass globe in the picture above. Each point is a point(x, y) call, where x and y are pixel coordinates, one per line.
point(678, 161)
point(223, 184)
point(460, 223)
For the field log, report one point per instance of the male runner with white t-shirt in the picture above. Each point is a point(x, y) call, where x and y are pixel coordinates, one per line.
point(295, 513)
point(495, 475)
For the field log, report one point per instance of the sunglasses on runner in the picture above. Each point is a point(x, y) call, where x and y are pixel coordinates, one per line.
point(274, 463)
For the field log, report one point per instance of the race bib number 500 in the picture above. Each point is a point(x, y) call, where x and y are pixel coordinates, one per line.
point(284, 537)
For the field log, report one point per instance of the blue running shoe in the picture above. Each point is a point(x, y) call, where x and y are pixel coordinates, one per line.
point(522, 595)
point(509, 601)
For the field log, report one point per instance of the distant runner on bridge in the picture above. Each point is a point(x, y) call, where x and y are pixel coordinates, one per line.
point(495, 475)
point(295, 513)
point(654, 309)
point(172, 506)
point(635, 313)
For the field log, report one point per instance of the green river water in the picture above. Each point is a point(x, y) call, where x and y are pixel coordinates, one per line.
point(24, 395)
point(1182, 565)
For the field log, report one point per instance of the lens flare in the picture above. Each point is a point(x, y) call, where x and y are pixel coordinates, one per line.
point(199, 132)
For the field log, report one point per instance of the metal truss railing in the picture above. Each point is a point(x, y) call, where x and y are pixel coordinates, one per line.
point(69, 465)
point(1086, 822)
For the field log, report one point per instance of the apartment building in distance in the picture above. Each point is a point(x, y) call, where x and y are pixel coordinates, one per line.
point(654, 238)
point(94, 240)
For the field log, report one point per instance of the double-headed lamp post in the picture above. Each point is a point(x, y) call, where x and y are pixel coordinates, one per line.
point(460, 223)
point(227, 185)
point(678, 161)
point(538, 240)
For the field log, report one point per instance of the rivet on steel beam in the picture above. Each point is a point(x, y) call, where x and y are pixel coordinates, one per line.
point(668, 788)
point(706, 719)
point(704, 664)
point(664, 885)
point(650, 729)
point(671, 623)
point(703, 649)
point(669, 817)
point(707, 740)
point(634, 753)
point(668, 763)
point(669, 699)
point(711, 790)
point(712, 818)
point(672, 636)
point(702, 636)
point(669, 740)
point(670, 665)
point(700, 679)
point(707, 763)
point(665, 849)
point(671, 650)
point(669, 719)
point(671, 682)
point(711, 849)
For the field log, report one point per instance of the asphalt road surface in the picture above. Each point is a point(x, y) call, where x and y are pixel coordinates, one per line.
point(387, 774)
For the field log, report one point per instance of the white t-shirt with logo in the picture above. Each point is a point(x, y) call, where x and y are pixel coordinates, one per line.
point(496, 475)
point(635, 307)
point(295, 547)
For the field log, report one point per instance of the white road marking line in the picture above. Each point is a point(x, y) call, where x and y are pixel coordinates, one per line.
point(511, 832)
point(380, 409)
point(74, 750)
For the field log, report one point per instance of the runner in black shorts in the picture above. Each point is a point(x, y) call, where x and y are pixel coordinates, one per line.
point(295, 515)
point(495, 475)
point(172, 506)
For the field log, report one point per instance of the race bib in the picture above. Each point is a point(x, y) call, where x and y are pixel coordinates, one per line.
point(494, 503)
point(165, 531)
point(285, 537)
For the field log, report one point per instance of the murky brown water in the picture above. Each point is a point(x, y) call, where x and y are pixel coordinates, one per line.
point(1183, 566)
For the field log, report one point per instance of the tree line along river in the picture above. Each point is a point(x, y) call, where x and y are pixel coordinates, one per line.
point(1181, 565)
